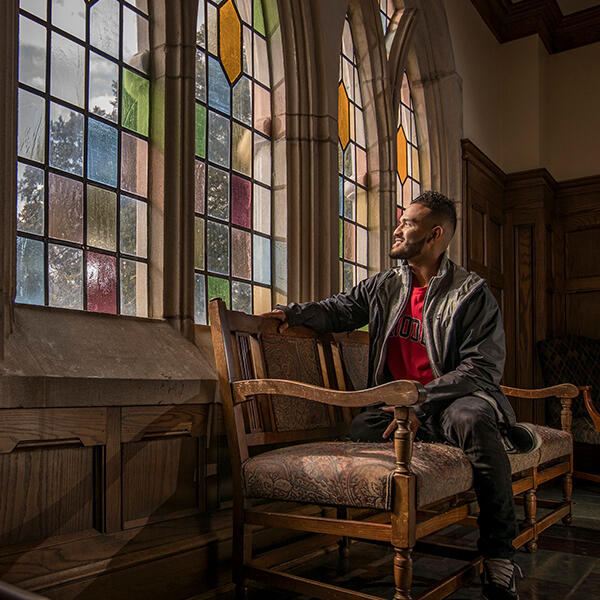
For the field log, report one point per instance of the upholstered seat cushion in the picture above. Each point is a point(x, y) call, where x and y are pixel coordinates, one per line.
point(354, 474)
point(359, 474)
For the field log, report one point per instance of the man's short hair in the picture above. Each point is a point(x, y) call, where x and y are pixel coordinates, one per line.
point(441, 206)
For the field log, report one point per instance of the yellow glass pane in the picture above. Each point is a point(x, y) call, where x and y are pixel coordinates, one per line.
point(230, 38)
point(343, 116)
point(415, 163)
point(402, 158)
point(361, 206)
point(262, 300)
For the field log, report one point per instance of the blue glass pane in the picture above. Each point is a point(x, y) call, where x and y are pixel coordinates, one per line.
point(261, 258)
point(200, 300)
point(341, 195)
point(66, 139)
point(102, 152)
point(218, 139)
point(30, 271)
point(218, 87)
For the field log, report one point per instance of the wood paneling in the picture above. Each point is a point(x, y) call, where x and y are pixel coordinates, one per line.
point(583, 314)
point(581, 251)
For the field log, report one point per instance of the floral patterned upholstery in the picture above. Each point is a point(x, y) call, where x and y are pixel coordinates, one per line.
point(296, 359)
point(575, 359)
point(355, 358)
point(353, 473)
point(555, 443)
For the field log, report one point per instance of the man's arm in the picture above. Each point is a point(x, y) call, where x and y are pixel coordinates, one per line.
point(481, 356)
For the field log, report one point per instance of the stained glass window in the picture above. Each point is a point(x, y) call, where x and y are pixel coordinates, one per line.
point(407, 148)
point(82, 145)
point(233, 204)
point(352, 167)
point(386, 12)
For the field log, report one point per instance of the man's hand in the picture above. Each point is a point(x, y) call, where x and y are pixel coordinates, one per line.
point(413, 424)
point(280, 315)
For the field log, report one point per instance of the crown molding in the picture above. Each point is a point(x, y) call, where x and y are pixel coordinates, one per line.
point(510, 21)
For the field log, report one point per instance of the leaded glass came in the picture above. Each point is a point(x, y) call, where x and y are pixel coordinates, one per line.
point(82, 145)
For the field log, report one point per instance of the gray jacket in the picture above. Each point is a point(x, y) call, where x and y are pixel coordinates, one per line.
point(462, 330)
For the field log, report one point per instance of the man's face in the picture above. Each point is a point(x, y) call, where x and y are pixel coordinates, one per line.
point(413, 230)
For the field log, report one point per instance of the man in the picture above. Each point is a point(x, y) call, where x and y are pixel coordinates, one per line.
point(432, 321)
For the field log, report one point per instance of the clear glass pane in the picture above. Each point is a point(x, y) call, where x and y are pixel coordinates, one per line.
point(102, 152)
point(65, 277)
point(242, 149)
point(212, 43)
point(261, 61)
point(262, 159)
point(200, 136)
point(361, 207)
point(134, 164)
point(200, 179)
point(349, 200)
point(201, 25)
point(262, 259)
point(134, 227)
point(361, 246)
point(245, 8)
point(199, 299)
point(30, 199)
point(67, 68)
point(31, 126)
point(218, 194)
point(348, 276)
point(65, 208)
point(104, 26)
point(247, 50)
point(242, 100)
point(135, 102)
point(134, 288)
point(66, 139)
point(101, 218)
point(218, 139)
point(30, 271)
point(349, 241)
point(199, 243)
point(262, 209)
point(136, 40)
point(217, 248)
point(103, 90)
point(140, 4)
point(241, 296)
point(241, 201)
point(218, 87)
point(32, 53)
point(349, 165)
point(262, 110)
point(35, 7)
point(200, 75)
point(69, 15)
point(241, 253)
point(101, 283)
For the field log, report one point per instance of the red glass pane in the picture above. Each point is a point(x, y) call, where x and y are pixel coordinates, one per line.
point(241, 201)
point(101, 283)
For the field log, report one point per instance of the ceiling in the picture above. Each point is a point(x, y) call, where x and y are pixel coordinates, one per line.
point(561, 24)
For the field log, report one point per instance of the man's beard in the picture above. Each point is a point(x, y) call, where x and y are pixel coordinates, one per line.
point(408, 250)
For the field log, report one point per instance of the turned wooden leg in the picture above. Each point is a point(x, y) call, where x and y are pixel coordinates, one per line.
point(567, 493)
point(403, 573)
point(344, 542)
point(530, 518)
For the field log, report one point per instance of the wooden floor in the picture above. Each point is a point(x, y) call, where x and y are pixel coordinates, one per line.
point(565, 567)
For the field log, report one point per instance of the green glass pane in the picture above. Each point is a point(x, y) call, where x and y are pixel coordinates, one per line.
point(200, 131)
point(218, 288)
point(101, 218)
point(135, 100)
point(271, 16)
point(259, 20)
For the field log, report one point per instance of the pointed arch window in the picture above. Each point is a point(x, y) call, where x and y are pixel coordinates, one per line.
point(82, 146)
point(386, 12)
point(352, 167)
point(407, 151)
point(233, 205)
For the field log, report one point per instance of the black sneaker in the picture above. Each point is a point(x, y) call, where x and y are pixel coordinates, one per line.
point(498, 579)
point(521, 438)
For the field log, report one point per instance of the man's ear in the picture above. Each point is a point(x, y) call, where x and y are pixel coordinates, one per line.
point(436, 233)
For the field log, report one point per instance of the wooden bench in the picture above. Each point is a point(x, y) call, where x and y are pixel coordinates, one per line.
point(288, 399)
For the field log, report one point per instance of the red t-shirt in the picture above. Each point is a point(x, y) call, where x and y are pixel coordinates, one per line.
point(406, 353)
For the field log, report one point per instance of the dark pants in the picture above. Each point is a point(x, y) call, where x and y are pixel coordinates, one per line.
point(469, 423)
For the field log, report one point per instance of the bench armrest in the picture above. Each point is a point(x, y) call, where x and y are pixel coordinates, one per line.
point(586, 390)
point(394, 393)
point(563, 390)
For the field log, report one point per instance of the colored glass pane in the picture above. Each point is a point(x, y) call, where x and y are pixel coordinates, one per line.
point(200, 182)
point(262, 110)
point(199, 243)
point(218, 87)
point(102, 152)
point(241, 253)
point(101, 282)
point(101, 218)
point(136, 102)
point(241, 195)
point(262, 299)
point(408, 186)
point(200, 138)
point(343, 116)
point(402, 156)
point(230, 40)
point(242, 149)
point(259, 19)
point(219, 288)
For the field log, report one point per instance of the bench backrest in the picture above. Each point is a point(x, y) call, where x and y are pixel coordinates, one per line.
point(250, 347)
